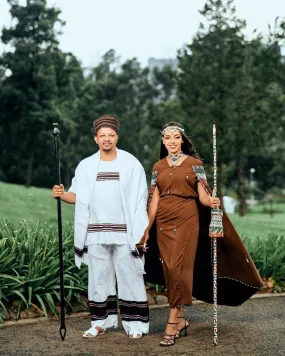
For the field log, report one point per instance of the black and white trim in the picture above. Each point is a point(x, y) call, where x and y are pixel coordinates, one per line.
point(101, 310)
point(139, 252)
point(134, 311)
point(79, 251)
point(107, 228)
point(102, 176)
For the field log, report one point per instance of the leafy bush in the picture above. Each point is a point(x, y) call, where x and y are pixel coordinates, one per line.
point(29, 268)
point(268, 254)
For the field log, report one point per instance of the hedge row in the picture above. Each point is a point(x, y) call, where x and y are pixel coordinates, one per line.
point(29, 269)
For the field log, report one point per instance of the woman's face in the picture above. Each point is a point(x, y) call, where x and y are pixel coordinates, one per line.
point(172, 141)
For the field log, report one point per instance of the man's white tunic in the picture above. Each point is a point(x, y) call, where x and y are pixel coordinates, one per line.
point(108, 224)
point(133, 197)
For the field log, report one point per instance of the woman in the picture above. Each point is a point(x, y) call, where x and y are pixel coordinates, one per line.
point(179, 209)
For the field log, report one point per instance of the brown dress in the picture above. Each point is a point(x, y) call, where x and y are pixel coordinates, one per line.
point(179, 254)
point(177, 224)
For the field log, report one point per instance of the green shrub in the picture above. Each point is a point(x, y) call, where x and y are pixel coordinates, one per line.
point(268, 254)
point(29, 268)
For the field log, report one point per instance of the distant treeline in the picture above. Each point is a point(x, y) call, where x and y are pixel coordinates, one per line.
point(222, 77)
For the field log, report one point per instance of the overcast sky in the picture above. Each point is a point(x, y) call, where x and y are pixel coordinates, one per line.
point(141, 28)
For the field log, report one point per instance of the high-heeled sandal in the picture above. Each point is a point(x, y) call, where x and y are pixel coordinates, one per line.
point(179, 331)
point(168, 340)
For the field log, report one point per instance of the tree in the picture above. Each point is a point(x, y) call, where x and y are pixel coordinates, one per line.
point(221, 81)
point(123, 90)
point(29, 95)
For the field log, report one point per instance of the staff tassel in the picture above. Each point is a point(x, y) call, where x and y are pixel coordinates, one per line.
point(215, 231)
point(62, 330)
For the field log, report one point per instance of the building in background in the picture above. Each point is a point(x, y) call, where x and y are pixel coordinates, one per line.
point(158, 65)
point(161, 63)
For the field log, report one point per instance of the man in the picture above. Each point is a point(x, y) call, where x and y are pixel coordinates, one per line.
point(110, 194)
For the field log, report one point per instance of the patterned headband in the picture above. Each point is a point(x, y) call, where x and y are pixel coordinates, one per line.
point(173, 128)
point(105, 121)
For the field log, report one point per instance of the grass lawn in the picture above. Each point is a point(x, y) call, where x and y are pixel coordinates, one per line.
point(257, 223)
point(31, 204)
point(19, 203)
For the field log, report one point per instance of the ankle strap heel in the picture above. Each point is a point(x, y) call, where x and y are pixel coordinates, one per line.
point(184, 328)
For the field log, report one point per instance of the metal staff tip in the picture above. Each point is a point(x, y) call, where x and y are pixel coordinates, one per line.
point(62, 332)
point(55, 131)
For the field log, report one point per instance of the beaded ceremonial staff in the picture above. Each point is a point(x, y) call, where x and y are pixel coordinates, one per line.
point(215, 230)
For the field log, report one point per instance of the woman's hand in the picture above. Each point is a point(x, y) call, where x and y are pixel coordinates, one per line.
point(58, 191)
point(144, 239)
point(214, 202)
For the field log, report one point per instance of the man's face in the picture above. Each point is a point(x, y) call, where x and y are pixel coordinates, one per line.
point(106, 138)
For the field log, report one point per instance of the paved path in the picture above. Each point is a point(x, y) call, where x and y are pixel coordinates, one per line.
point(256, 328)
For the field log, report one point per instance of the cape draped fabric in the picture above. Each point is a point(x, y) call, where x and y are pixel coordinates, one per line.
point(238, 278)
point(133, 187)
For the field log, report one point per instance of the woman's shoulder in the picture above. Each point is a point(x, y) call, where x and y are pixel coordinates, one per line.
point(192, 161)
point(159, 165)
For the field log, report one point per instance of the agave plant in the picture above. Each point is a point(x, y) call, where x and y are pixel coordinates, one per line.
point(11, 284)
point(30, 268)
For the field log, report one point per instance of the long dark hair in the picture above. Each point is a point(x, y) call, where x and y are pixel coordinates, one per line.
point(187, 145)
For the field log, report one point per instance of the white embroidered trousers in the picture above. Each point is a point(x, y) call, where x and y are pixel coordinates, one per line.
point(109, 264)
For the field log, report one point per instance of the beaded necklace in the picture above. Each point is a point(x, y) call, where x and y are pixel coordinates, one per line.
point(174, 158)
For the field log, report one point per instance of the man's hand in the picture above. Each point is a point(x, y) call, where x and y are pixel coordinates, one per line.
point(67, 197)
point(58, 191)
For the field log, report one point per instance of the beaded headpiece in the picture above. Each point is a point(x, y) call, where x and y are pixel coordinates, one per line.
point(173, 128)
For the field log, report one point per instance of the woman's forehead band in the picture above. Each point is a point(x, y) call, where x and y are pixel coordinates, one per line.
point(172, 128)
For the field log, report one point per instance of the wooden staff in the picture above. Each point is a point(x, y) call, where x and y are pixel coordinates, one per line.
point(62, 330)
